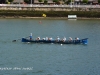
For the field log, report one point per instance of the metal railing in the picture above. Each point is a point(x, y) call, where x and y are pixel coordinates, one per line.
point(49, 6)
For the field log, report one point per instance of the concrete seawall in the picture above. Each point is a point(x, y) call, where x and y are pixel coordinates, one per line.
point(27, 11)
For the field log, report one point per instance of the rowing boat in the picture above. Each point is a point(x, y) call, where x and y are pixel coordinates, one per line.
point(81, 41)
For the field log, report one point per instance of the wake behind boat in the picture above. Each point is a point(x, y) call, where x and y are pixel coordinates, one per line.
point(56, 41)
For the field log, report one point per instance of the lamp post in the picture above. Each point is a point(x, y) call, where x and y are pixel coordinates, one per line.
point(71, 3)
point(31, 3)
point(19, 4)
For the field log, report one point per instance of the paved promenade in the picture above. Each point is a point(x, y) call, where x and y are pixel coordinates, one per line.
point(67, 6)
point(46, 7)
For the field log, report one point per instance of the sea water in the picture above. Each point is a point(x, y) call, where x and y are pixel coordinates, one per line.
point(17, 58)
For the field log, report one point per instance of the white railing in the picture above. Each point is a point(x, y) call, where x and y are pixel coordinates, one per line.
point(61, 6)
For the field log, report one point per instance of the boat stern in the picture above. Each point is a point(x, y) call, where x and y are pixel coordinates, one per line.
point(24, 40)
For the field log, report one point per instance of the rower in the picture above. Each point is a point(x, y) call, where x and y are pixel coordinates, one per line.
point(76, 38)
point(64, 39)
point(70, 39)
point(43, 39)
point(30, 36)
point(38, 38)
point(58, 39)
point(50, 39)
point(46, 38)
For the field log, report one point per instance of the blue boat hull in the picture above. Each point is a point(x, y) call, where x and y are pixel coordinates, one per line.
point(82, 41)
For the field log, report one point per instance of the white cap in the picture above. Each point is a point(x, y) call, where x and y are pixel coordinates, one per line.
point(31, 34)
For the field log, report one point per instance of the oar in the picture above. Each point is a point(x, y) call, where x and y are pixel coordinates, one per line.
point(16, 40)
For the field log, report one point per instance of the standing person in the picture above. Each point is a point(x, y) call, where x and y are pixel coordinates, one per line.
point(30, 36)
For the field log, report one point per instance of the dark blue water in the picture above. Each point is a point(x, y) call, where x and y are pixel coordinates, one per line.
point(17, 58)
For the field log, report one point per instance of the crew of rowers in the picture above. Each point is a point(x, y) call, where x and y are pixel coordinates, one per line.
point(58, 39)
